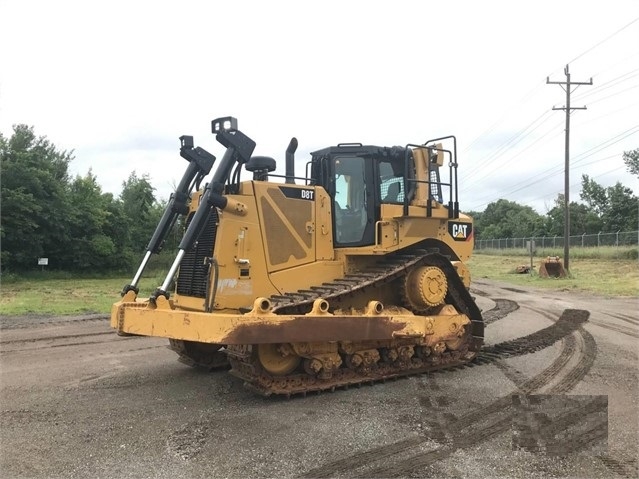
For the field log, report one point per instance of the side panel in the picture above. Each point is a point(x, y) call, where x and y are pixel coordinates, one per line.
point(239, 254)
point(287, 215)
point(325, 268)
point(324, 249)
point(456, 233)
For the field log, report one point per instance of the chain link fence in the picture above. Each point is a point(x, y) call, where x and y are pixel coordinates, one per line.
point(620, 238)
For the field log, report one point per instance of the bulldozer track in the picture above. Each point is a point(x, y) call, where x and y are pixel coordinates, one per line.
point(570, 321)
point(261, 383)
point(472, 428)
point(388, 269)
point(189, 353)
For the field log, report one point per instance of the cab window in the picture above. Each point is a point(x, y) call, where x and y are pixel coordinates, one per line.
point(349, 202)
point(391, 184)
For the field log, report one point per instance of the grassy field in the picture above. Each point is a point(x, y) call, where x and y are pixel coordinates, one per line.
point(604, 276)
point(51, 293)
point(40, 294)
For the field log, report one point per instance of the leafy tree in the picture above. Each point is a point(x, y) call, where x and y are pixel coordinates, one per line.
point(615, 206)
point(594, 195)
point(33, 194)
point(116, 227)
point(623, 209)
point(89, 223)
point(582, 219)
point(475, 215)
point(70, 221)
point(141, 210)
point(508, 219)
point(631, 159)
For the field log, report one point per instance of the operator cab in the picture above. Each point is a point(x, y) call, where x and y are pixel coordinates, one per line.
point(359, 179)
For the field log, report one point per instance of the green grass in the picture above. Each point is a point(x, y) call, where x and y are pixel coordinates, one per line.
point(59, 293)
point(602, 252)
point(38, 294)
point(605, 276)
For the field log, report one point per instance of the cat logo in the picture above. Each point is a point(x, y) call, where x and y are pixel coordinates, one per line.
point(460, 231)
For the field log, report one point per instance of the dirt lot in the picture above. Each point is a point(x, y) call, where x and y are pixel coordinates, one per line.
point(554, 395)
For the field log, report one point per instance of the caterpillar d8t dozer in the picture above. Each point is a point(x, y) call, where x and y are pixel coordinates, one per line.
point(351, 273)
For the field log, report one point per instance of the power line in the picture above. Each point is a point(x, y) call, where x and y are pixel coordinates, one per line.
point(524, 133)
point(526, 97)
point(603, 41)
point(503, 147)
point(632, 105)
point(477, 179)
point(609, 84)
point(513, 140)
point(574, 185)
point(602, 146)
point(613, 94)
point(550, 172)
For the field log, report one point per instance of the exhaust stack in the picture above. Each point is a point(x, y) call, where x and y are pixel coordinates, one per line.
point(290, 161)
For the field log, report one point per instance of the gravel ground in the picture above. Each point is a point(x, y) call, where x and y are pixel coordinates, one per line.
point(78, 401)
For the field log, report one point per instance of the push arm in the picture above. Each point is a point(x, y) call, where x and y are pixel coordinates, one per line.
point(200, 164)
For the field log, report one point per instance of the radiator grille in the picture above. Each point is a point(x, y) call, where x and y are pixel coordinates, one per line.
point(193, 271)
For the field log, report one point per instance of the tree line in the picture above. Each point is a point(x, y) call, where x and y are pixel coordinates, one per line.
point(71, 221)
point(602, 209)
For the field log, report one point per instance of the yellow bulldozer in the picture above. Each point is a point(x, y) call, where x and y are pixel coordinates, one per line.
point(351, 273)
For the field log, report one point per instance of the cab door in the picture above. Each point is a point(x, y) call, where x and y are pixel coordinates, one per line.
point(353, 192)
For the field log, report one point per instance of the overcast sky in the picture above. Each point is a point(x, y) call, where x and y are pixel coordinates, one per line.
point(119, 81)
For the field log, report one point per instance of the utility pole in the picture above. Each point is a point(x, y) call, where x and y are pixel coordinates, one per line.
point(567, 86)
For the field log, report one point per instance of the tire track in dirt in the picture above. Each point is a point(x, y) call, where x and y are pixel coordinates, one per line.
point(569, 321)
point(456, 429)
point(471, 429)
point(53, 338)
point(546, 313)
point(624, 468)
point(624, 317)
point(502, 308)
point(581, 423)
point(62, 344)
point(617, 329)
point(34, 321)
point(611, 327)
